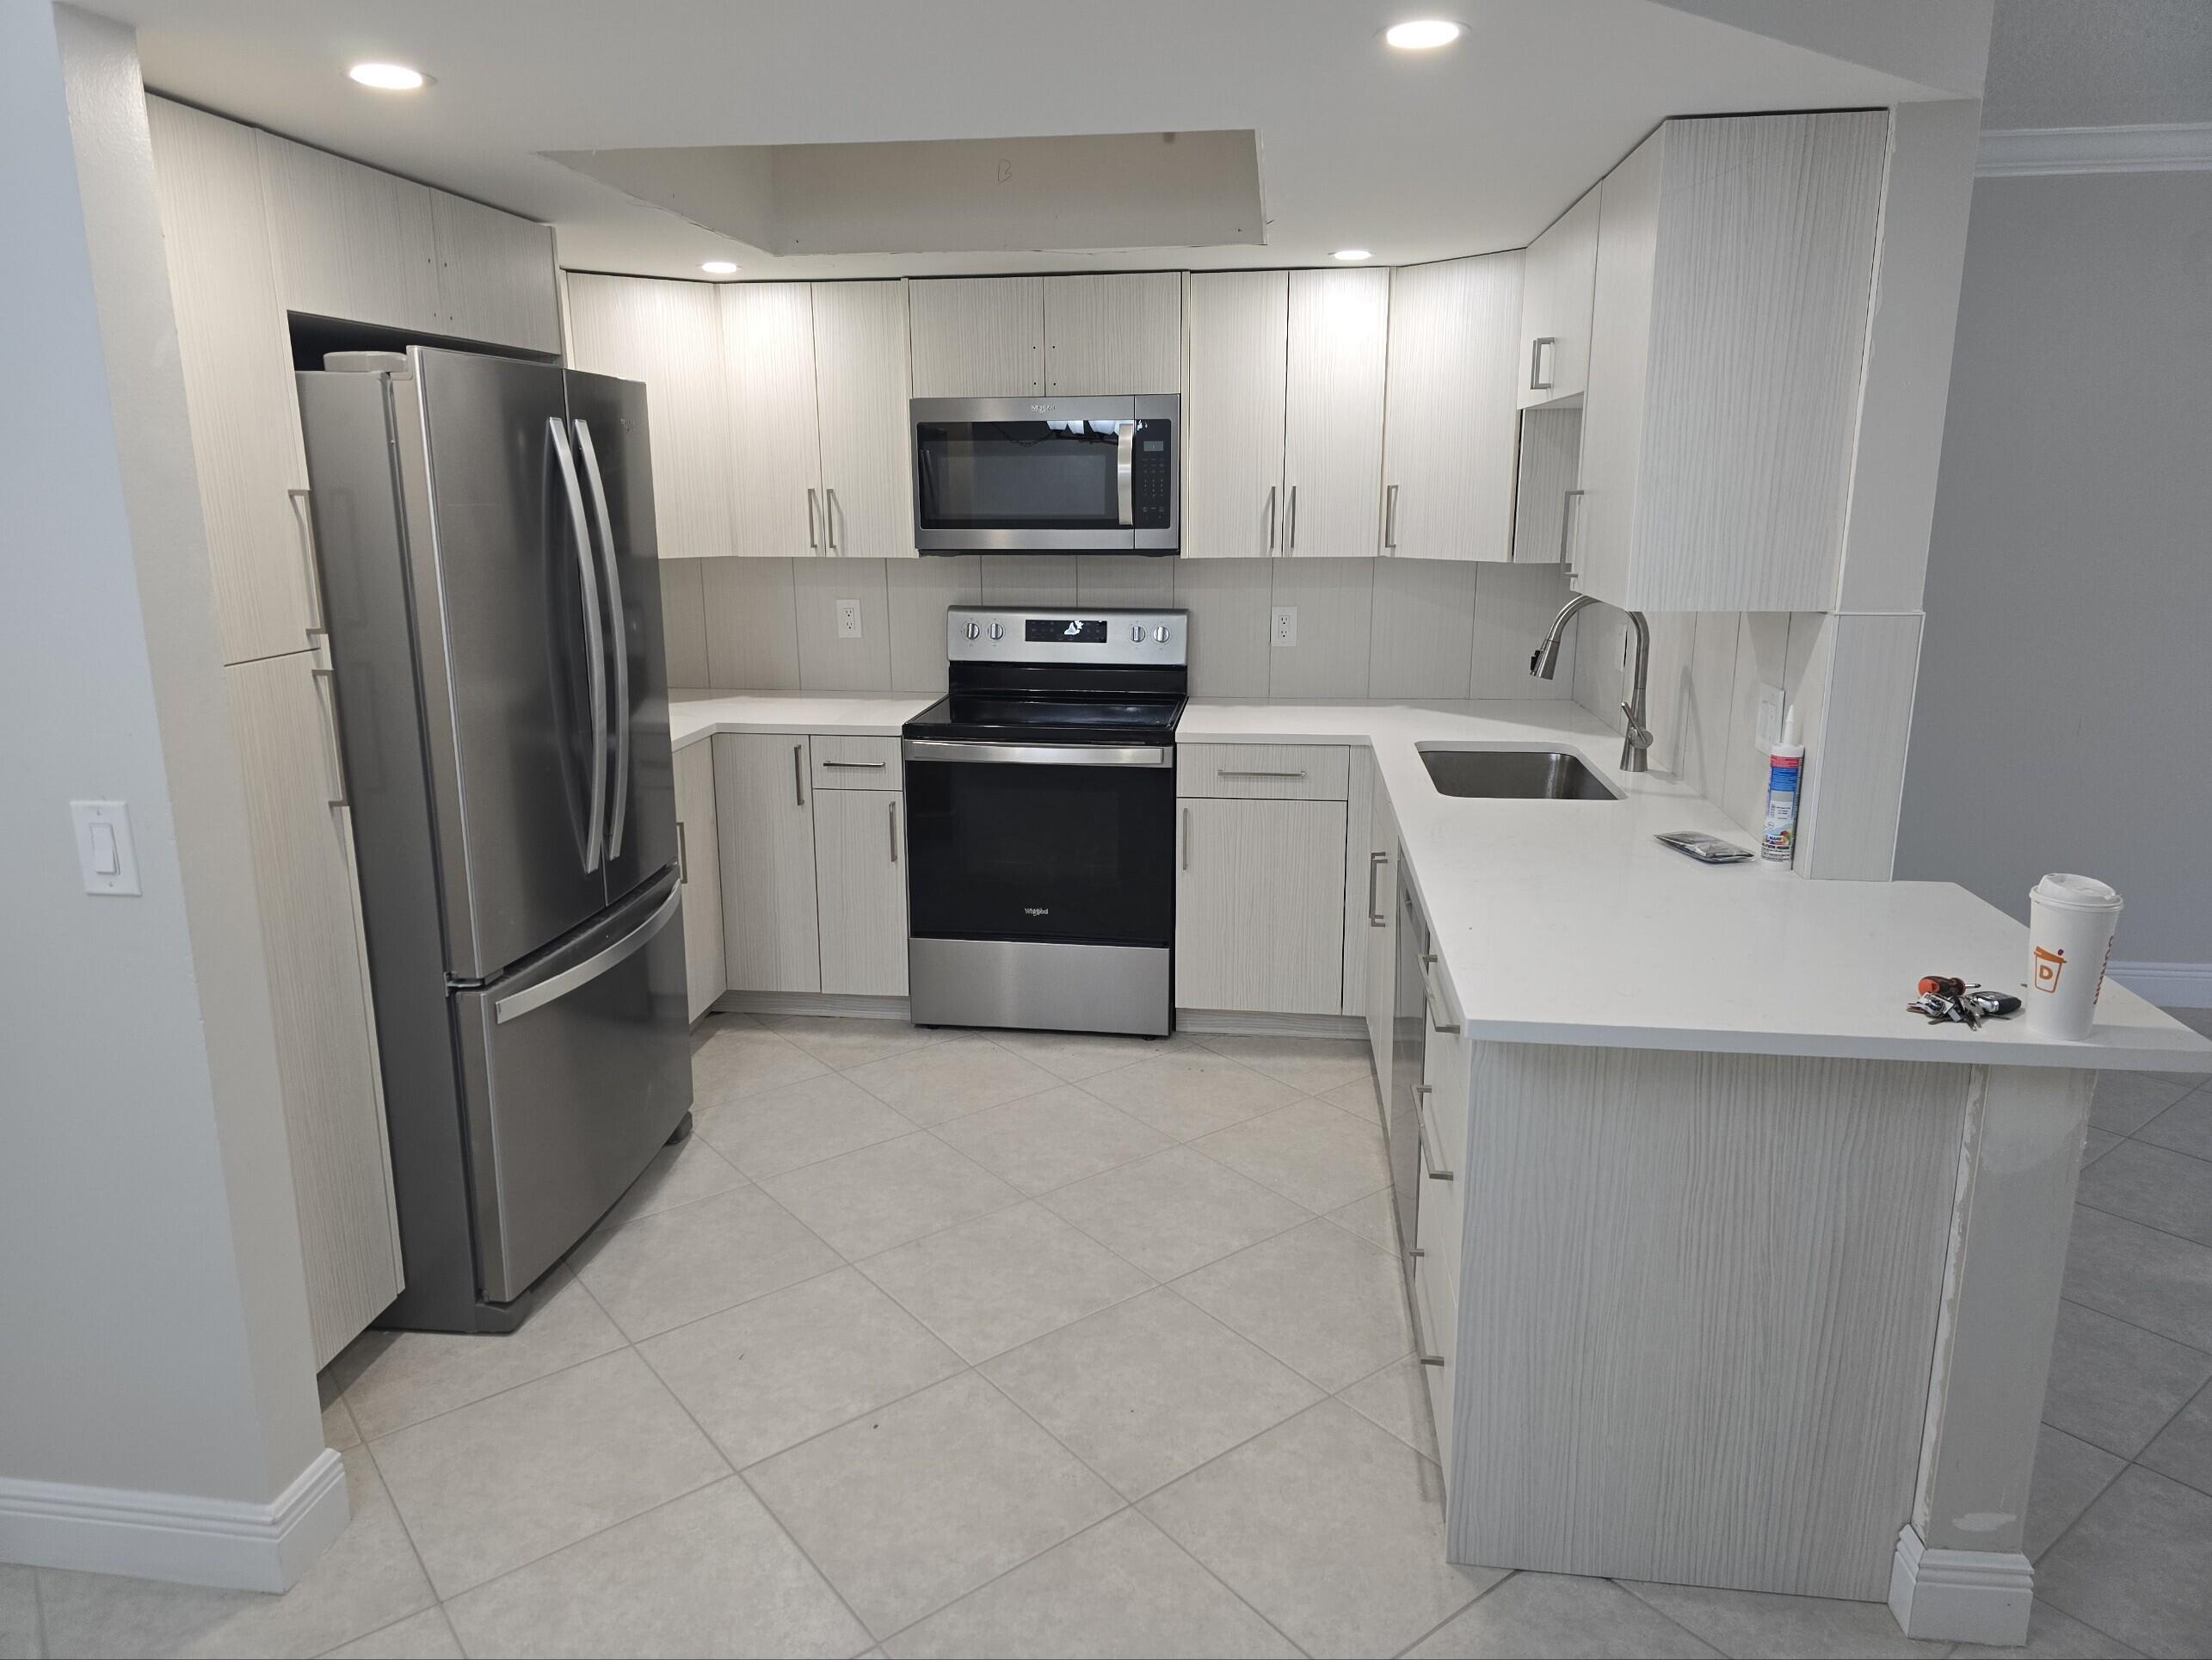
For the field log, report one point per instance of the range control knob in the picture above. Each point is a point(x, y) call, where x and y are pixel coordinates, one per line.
point(998, 631)
point(1161, 633)
point(1136, 633)
point(974, 629)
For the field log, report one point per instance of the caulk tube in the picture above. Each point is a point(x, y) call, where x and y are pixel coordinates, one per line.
point(1785, 773)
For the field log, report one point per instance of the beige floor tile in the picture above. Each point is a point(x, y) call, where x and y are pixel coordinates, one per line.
point(2185, 1126)
point(739, 1058)
point(1173, 1211)
point(2156, 1186)
point(424, 1636)
point(697, 1259)
point(2138, 1565)
point(1123, 1588)
point(2050, 1633)
point(710, 1574)
point(1559, 1617)
point(840, 1040)
point(502, 1482)
point(1076, 1056)
point(340, 1432)
point(946, 1080)
point(771, 1373)
point(19, 1614)
point(2145, 1277)
point(1046, 1141)
point(1759, 1623)
point(1373, 1217)
point(2125, 1101)
point(1331, 1528)
point(1316, 1298)
point(1149, 1389)
point(367, 1579)
point(1001, 1280)
point(1310, 1153)
point(2114, 1384)
point(2183, 1449)
point(690, 1170)
point(1308, 1066)
point(906, 1508)
point(1357, 1098)
point(393, 1379)
point(1397, 1398)
point(866, 1201)
point(799, 1124)
point(1191, 1094)
point(2069, 1475)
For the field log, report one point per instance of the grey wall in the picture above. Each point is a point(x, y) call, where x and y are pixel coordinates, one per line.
point(2064, 720)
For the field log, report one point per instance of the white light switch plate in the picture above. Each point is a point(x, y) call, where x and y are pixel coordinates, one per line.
point(1286, 626)
point(1770, 716)
point(104, 852)
point(848, 619)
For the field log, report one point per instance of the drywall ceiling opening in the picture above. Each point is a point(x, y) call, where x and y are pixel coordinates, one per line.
point(955, 195)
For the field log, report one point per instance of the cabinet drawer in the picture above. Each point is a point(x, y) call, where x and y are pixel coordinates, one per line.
point(1435, 1297)
point(1295, 772)
point(856, 763)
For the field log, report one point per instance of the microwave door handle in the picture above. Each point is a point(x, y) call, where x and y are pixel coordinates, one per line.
point(595, 649)
point(1125, 471)
point(619, 639)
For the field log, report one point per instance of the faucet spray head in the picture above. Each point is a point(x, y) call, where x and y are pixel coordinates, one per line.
point(1543, 661)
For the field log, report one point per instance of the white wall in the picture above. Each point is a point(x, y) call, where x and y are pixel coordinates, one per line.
point(2064, 719)
point(153, 1320)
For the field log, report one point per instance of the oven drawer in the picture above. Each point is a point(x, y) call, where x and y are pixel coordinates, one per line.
point(849, 762)
point(1294, 772)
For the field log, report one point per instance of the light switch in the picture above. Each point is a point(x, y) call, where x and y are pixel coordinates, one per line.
point(103, 847)
point(848, 619)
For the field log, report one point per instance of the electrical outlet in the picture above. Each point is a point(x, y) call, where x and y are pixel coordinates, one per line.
point(1286, 624)
point(1770, 716)
point(848, 619)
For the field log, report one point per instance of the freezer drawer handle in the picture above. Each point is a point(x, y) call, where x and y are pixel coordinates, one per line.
point(537, 996)
point(618, 627)
point(593, 643)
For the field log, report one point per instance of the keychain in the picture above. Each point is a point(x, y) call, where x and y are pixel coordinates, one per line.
point(1946, 998)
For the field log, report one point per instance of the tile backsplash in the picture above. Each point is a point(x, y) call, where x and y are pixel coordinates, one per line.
point(1384, 628)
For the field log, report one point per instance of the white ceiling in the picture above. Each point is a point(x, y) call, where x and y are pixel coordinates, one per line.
point(1416, 157)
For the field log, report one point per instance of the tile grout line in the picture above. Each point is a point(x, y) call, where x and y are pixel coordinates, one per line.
point(405, 1532)
point(1505, 1577)
point(1695, 1635)
point(2124, 1320)
point(2148, 1227)
point(2137, 1462)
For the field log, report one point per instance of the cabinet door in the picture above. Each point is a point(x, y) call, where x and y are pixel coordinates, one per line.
point(668, 335)
point(495, 275)
point(775, 459)
point(764, 823)
point(351, 241)
point(1545, 486)
point(859, 861)
point(1554, 360)
point(977, 337)
point(699, 856)
point(860, 369)
point(301, 838)
point(1233, 415)
point(1333, 412)
point(1448, 473)
point(1620, 342)
point(1104, 335)
point(237, 378)
point(1260, 906)
point(1381, 929)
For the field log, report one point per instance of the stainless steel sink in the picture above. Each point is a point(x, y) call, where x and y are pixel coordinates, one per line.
point(1516, 775)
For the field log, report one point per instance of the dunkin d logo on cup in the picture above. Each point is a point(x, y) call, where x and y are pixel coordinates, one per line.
point(2049, 963)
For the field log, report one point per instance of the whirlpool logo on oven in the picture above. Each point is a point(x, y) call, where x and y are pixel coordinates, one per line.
point(1036, 911)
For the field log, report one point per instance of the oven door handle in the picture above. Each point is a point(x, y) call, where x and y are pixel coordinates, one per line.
point(1037, 755)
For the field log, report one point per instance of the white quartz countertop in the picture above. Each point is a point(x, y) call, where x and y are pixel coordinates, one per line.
point(1564, 921)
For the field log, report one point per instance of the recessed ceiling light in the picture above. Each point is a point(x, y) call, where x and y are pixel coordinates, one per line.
point(1422, 33)
point(1352, 254)
point(389, 78)
point(718, 267)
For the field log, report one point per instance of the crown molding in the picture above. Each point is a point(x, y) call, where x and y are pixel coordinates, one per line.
point(2017, 152)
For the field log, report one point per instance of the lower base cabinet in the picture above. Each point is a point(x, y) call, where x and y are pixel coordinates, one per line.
point(860, 870)
point(699, 856)
point(1260, 905)
point(764, 823)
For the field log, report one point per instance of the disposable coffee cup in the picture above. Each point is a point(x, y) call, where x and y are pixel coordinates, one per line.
point(2070, 924)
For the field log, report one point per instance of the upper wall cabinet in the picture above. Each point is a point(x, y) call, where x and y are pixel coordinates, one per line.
point(1233, 414)
point(1448, 459)
point(668, 335)
point(776, 457)
point(860, 358)
point(495, 275)
point(977, 337)
point(1108, 335)
point(1555, 332)
point(1338, 329)
point(1736, 257)
point(351, 241)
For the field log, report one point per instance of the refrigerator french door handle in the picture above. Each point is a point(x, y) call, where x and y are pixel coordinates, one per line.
point(594, 642)
point(621, 711)
point(517, 1003)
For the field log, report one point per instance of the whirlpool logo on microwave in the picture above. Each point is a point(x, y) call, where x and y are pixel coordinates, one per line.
point(1036, 911)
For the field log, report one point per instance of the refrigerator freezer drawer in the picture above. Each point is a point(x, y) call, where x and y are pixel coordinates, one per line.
point(576, 1068)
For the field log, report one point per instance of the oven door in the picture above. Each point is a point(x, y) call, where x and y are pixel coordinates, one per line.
point(1054, 475)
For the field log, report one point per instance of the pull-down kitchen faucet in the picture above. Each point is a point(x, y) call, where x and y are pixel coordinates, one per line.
point(1636, 739)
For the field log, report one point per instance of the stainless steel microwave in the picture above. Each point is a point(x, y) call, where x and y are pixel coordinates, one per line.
point(1047, 475)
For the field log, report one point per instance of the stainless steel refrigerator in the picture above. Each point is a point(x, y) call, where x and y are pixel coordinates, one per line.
point(484, 527)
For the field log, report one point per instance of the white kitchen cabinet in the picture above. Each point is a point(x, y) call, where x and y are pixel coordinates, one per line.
point(1260, 905)
point(238, 379)
point(977, 337)
point(1338, 341)
point(1448, 460)
point(1233, 414)
point(699, 856)
point(495, 277)
point(1544, 487)
point(860, 864)
point(1358, 885)
point(775, 456)
point(764, 822)
point(668, 335)
point(351, 241)
point(861, 365)
point(1554, 360)
point(1380, 930)
point(1735, 260)
point(300, 835)
point(1114, 333)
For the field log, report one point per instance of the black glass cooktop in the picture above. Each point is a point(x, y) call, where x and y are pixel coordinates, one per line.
point(997, 717)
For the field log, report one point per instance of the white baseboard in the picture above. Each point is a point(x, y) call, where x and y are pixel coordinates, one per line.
point(173, 1536)
point(1960, 1597)
point(1233, 1023)
point(2170, 985)
point(813, 1002)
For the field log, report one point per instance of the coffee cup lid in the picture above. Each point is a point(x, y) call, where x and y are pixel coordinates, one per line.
point(2075, 893)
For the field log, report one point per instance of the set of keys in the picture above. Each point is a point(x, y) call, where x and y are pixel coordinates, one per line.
point(1945, 999)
